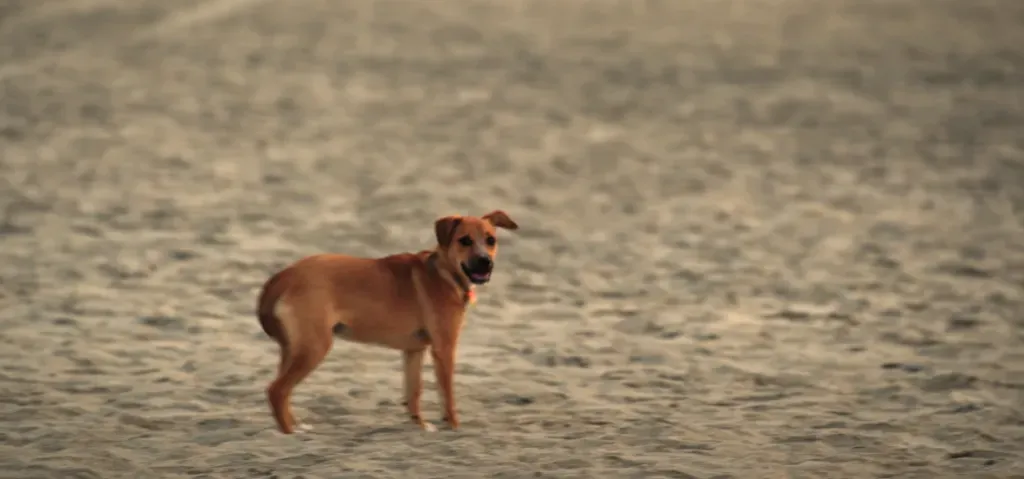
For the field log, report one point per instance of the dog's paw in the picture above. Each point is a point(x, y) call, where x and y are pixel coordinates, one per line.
point(303, 428)
point(427, 427)
point(453, 424)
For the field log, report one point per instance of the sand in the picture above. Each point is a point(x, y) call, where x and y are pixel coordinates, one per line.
point(760, 239)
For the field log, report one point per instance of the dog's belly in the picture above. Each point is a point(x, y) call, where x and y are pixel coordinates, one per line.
point(404, 338)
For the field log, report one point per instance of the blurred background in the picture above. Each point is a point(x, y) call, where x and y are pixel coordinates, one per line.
point(760, 238)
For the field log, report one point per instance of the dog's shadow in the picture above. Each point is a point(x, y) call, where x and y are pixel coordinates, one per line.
point(327, 413)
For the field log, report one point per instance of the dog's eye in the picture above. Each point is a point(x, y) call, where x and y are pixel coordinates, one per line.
point(466, 241)
point(491, 241)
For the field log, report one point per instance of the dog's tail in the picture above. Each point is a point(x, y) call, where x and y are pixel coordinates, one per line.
point(271, 292)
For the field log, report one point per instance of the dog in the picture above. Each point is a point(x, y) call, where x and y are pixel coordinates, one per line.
point(411, 302)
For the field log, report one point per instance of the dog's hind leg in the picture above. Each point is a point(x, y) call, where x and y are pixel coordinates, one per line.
point(297, 362)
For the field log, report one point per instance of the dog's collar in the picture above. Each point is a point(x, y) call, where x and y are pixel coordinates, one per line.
point(468, 295)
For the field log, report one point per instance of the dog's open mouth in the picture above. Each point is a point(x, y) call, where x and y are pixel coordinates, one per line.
point(476, 277)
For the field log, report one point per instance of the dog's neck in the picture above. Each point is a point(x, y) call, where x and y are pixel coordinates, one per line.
point(460, 283)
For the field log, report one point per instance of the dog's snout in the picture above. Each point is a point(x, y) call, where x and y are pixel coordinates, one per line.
point(483, 263)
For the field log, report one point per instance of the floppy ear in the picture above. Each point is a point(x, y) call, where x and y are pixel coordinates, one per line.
point(501, 220)
point(444, 229)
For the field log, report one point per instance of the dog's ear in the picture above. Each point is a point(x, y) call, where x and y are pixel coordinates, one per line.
point(444, 229)
point(501, 220)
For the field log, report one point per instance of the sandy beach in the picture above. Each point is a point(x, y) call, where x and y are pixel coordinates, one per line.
point(759, 238)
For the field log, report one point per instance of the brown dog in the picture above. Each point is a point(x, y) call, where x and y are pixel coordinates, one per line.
point(408, 301)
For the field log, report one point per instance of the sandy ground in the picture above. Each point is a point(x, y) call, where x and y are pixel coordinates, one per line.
point(761, 239)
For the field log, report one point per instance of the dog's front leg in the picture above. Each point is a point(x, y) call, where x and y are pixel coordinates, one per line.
point(444, 369)
point(412, 362)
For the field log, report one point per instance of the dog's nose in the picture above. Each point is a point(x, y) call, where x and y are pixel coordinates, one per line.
point(483, 263)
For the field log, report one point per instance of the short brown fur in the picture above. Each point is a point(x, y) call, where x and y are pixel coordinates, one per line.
point(412, 302)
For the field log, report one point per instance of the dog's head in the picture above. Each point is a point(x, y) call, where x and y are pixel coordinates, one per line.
point(470, 244)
